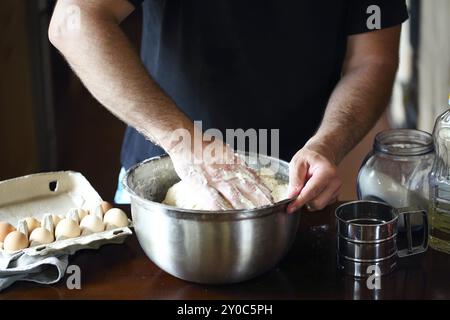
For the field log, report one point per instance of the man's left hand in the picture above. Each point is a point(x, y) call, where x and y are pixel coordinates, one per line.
point(313, 179)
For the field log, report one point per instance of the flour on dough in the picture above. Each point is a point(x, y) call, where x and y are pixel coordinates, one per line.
point(184, 195)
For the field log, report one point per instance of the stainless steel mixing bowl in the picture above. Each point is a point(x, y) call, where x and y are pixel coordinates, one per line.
point(208, 247)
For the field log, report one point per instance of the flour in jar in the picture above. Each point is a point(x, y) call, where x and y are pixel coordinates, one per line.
point(186, 196)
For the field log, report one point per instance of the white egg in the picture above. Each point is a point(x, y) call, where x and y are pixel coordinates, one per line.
point(41, 236)
point(14, 241)
point(67, 228)
point(115, 218)
point(91, 224)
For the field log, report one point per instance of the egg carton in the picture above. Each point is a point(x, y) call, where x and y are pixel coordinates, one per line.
point(57, 193)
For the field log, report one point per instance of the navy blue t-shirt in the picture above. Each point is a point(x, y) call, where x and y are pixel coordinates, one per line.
point(250, 63)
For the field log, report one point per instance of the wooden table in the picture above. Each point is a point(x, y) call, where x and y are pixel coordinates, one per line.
point(308, 272)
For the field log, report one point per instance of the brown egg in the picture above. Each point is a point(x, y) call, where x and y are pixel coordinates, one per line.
point(5, 228)
point(14, 241)
point(106, 206)
point(32, 223)
point(56, 219)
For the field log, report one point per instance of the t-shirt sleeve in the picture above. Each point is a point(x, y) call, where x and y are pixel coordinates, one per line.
point(364, 15)
point(136, 3)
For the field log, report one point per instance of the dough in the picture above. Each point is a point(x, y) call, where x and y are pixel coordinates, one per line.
point(184, 195)
point(278, 188)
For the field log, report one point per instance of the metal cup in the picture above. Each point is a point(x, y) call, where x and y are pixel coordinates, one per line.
point(367, 235)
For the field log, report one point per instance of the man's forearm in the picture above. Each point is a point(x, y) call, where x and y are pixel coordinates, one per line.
point(353, 109)
point(109, 67)
point(361, 95)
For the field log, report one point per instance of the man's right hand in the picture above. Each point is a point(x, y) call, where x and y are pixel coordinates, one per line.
point(225, 179)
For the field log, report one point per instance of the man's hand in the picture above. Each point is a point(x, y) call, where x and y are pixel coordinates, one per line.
point(313, 179)
point(355, 105)
point(224, 179)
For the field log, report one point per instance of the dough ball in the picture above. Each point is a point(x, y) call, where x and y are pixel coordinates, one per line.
point(187, 196)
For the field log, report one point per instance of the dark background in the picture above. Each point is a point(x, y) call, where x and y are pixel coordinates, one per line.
point(48, 120)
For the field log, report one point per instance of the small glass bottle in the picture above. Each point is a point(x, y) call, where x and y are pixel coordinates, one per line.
point(439, 179)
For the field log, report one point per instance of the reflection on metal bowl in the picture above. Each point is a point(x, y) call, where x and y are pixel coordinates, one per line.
point(206, 246)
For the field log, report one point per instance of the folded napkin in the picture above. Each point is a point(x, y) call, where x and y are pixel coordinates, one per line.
point(22, 267)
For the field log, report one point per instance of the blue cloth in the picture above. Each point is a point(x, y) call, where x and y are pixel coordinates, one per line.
point(122, 196)
point(21, 267)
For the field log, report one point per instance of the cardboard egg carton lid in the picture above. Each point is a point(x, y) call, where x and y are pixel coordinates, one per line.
point(54, 192)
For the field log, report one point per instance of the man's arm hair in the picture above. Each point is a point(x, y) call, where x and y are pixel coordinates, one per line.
point(362, 94)
point(110, 68)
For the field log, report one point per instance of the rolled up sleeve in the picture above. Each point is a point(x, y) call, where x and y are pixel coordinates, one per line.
point(360, 13)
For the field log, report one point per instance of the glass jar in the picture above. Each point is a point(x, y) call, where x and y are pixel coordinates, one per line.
point(440, 186)
point(396, 170)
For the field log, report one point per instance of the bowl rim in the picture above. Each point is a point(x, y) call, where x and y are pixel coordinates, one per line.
point(236, 213)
